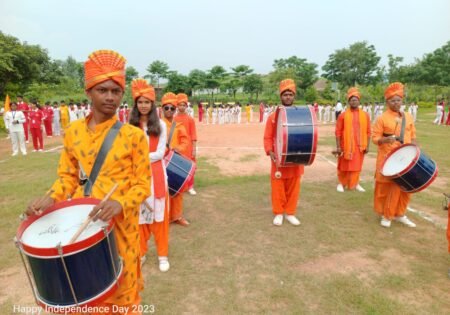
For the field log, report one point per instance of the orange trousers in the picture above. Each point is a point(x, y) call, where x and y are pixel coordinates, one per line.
point(389, 200)
point(285, 195)
point(112, 309)
point(348, 179)
point(176, 207)
point(160, 231)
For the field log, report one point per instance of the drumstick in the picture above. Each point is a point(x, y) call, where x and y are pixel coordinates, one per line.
point(24, 215)
point(89, 219)
point(148, 206)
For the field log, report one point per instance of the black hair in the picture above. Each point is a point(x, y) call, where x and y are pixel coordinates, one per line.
point(153, 122)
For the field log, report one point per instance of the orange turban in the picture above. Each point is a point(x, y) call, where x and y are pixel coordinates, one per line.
point(140, 87)
point(169, 98)
point(353, 91)
point(103, 65)
point(394, 89)
point(287, 84)
point(182, 98)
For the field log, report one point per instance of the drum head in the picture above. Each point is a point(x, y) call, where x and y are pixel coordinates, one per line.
point(399, 160)
point(59, 225)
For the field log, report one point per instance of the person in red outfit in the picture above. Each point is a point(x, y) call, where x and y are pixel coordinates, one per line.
point(24, 108)
point(36, 116)
point(48, 112)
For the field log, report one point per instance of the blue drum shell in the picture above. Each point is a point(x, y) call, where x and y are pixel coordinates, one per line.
point(178, 170)
point(91, 272)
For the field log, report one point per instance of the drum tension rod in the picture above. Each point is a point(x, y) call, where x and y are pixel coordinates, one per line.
point(60, 252)
point(111, 256)
point(33, 287)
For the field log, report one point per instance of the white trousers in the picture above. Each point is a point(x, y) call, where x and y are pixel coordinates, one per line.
point(18, 138)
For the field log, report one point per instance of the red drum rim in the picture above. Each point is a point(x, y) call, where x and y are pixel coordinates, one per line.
point(409, 167)
point(63, 309)
point(183, 187)
point(50, 252)
point(284, 135)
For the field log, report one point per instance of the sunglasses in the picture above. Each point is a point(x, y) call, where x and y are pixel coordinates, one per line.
point(169, 108)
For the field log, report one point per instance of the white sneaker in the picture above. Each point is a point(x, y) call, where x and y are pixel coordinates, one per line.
point(34, 150)
point(14, 153)
point(385, 222)
point(359, 188)
point(192, 192)
point(40, 150)
point(143, 259)
point(24, 153)
point(340, 188)
point(293, 220)
point(404, 219)
point(164, 265)
point(278, 220)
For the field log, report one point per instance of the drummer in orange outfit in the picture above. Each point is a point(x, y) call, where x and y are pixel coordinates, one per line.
point(179, 143)
point(155, 220)
point(126, 164)
point(390, 201)
point(352, 142)
point(285, 190)
point(189, 124)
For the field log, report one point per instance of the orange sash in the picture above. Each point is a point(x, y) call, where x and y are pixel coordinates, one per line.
point(157, 171)
point(349, 145)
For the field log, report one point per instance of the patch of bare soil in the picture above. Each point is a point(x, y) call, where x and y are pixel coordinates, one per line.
point(358, 263)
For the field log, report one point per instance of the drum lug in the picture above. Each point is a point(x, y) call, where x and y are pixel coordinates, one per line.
point(60, 252)
point(28, 272)
point(111, 256)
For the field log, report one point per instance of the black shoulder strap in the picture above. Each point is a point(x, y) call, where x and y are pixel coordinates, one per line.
point(402, 131)
point(172, 129)
point(106, 146)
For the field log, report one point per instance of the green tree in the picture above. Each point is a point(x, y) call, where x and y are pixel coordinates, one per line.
point(157, 70)
point(394, 72)
point(177, 83)
point(197, 79)
point(304, 73)
point(130, 74)
point(214, 79)
point(357, 64)
point(310, 94)
point(434, 69)
point(253, 85)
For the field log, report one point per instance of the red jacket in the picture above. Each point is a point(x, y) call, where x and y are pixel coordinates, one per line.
point(48, 111)
point(36, 117)
point(24, 108)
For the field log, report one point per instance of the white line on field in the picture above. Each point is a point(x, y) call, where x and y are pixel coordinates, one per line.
point(328, 160)
point(426, 217)
point(54, 149)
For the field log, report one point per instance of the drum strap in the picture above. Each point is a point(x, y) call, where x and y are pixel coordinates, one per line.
point(402, 131)
point(172, 129)
point(106, 146)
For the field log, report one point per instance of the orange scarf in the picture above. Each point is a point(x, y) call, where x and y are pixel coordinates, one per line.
point(349, 145)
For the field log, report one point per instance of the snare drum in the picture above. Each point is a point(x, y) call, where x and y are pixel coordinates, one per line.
point(296, 135)
point(409, 168)
point(180, 171)
point(65, 275)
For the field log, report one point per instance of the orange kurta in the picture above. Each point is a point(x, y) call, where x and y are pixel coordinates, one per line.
point(189, 124)
point(159, 230)
point(285, 190)
point(389, 200)
point(180, 142)
point(349, 169)
point(126, 164)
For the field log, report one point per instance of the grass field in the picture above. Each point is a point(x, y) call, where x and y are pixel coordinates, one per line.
point(232, 260)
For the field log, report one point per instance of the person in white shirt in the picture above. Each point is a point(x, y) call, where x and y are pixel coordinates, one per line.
point(338, 109)
point(439, 113)
point(14, 120)
point(56, 119)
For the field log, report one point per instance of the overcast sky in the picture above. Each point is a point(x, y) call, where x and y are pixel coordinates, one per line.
point(199, 34)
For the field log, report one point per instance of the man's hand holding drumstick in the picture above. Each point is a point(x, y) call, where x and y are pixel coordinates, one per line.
point(39, 205)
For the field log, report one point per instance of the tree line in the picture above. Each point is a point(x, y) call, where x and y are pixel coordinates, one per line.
point(28, 69)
